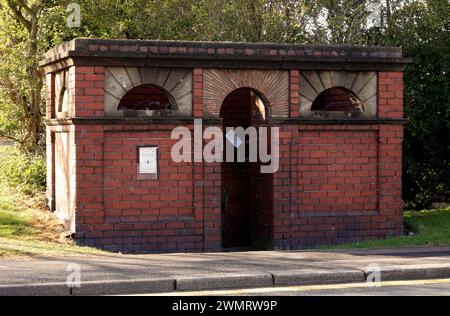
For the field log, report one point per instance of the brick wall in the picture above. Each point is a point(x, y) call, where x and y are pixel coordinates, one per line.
point(341, 183)
point(390, 94)
point(333, 187)
point(87, 91)
point(197, 91)
point(124, 213)
point(338, 169)
point(336, 183)
point(150, 214)
point(294, 95)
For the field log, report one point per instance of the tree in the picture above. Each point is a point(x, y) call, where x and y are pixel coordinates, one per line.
point(27, 30)
point(341, 21)
point(253, 21)
point(20, 77)
point(422, 28)
point(216, 20)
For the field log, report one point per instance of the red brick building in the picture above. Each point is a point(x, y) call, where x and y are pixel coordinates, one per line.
point(339, 111)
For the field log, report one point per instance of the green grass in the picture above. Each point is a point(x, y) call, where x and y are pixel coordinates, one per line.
point(27, 228)
point(429, 228)
point(15, 221)
point(21, 248)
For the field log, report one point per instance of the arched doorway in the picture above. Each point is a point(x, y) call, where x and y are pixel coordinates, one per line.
point(247, 194)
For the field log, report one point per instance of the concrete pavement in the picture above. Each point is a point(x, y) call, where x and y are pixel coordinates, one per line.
point(129, 274)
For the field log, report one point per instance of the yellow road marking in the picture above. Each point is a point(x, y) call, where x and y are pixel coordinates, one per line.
point(305, 288)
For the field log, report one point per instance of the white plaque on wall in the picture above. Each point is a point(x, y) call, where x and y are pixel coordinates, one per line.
point(148, 160)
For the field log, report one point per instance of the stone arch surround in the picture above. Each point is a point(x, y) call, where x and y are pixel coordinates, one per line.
point(272, 85)
point(120, 80)
point(363, 84)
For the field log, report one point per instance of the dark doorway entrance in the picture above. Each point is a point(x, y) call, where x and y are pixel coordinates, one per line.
point(247, 216)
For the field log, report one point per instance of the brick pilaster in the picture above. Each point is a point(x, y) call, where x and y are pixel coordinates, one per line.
point(294, 105)
point(390, 94)
point(88, 169)
point(197, 93)
point(87, 84)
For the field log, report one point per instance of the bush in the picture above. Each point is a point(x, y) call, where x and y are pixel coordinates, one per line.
point(422, 29)
point(23, 172)
point(427, 147)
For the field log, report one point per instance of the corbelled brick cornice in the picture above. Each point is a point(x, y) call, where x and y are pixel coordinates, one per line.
point(82, 51)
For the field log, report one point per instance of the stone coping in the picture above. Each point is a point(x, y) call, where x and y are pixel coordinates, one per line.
point(215, 121)
point(141, 53)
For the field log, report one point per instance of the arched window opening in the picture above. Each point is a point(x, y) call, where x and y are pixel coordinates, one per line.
point(62, 94)
point(338, 99)
point(147, 97)
point(63, 100)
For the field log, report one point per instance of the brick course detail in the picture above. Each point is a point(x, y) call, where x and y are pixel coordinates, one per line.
point(339, 177)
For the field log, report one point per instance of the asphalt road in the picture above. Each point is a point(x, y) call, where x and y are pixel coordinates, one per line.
point(117, 274)
point(395, 288)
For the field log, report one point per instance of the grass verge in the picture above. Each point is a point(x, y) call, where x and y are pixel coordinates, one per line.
point(428, 228)
point(28, 229)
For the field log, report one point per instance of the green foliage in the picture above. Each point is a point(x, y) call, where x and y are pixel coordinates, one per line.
point(14, 220)
point(28, 28)
point(27, 229)
point(429, 228)
point(24, 172)
point(341, 21)
point(251, 21)
point(13, 223)
point(423, 30)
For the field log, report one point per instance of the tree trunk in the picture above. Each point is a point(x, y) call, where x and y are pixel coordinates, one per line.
point(388, 13)
point(30, 102)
